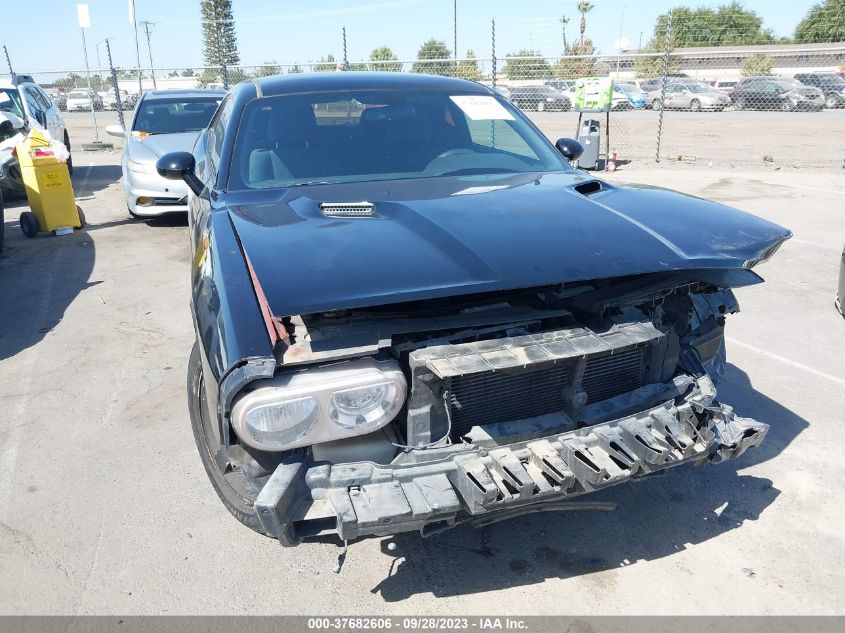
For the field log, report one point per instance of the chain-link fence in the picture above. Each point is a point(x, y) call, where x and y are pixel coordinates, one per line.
point(737, 105)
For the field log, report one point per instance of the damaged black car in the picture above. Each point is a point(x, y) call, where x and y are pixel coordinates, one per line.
point(412, 312)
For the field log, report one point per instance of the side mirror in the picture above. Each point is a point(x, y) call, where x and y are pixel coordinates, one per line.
point(115, 130)
point(570, 148)
point(180, 166)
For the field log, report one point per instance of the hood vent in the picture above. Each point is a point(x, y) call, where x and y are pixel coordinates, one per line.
point(347, 209)
point(590, 187)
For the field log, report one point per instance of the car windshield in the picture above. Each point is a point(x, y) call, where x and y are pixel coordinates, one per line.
point(697, 88)
point(362, 135)
point(10, 101)
point(78, 95)
point(831, 79)
point(172, 116)
point(786, 85)
point(547, 91)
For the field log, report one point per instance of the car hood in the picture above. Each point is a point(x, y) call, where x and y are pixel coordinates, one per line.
point(448, 236)
point(156, 145)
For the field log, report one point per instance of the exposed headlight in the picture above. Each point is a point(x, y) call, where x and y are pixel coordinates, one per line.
point(139, 168)
point(319, 405)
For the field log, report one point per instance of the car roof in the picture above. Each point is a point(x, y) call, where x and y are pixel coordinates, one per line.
point(332, 81)
point(192, 92)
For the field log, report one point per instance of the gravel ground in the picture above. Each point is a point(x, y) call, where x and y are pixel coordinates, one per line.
point(105, 508)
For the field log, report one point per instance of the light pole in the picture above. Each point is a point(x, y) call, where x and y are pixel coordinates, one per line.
point(455, 26)
point(84, 23)
point(137, 46)
point(620, 42)
point(147, 24)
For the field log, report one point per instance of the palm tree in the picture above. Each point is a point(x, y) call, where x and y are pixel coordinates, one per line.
point(563, 22)
point(584, 8)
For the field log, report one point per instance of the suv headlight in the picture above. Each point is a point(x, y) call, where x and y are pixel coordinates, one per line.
point(320, 404)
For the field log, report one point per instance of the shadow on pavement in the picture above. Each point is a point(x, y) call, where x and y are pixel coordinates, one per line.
point(89, 179)
point(656, 517)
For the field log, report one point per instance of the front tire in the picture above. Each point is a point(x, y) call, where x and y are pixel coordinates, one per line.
point(236, 502)
point(786, 106)
point(739, 104)
point(657, 104)
point(831, 101)
point(695, 105)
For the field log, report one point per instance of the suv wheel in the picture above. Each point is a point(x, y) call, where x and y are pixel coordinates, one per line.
point(657, 104)
point(739, 104)
point(831, 101)
point(695, 105)
point(69, 158)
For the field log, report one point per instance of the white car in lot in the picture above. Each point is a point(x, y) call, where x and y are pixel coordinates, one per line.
point(25, 106)
point(164, 121)
point(80, 100)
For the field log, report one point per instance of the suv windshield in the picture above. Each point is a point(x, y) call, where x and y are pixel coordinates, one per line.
point(172, 116)
point(835, 80)
point(357, 136)
point(10, 101)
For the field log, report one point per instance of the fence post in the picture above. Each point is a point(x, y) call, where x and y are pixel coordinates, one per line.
point(345, 60)
point(116, 88)
point(225, 75)
point(663, 84)
point(493, 42)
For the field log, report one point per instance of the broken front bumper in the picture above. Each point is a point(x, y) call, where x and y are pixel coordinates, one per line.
point(437, 488)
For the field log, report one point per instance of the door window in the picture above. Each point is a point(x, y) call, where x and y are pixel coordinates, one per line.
point(36, 110)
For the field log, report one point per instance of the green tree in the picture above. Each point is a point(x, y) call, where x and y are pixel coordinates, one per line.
point(527, 64)
point(268, 69)
point(385, 60)
point(729, 25)
point(824, 22)
point(434, 50)
point(326, 64)
point(579, 61)
point(652, 66)
point(468, 68)
point(219, 41)
point(188, 73)
point(757, 64)
point(584, 8)
point(295, 69)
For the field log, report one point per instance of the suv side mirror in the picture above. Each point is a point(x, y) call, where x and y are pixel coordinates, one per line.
point(570, 148)
point(180, 166)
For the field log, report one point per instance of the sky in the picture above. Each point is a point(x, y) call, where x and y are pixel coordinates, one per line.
point(288, 31)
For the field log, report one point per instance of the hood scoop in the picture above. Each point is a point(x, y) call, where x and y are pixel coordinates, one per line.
point(590, 187)
point(347, 209)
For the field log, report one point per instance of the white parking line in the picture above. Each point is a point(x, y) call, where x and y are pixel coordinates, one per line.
point(787, 361)
point(815, 244)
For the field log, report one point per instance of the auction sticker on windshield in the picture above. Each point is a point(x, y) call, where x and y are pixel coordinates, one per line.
point(482, 108)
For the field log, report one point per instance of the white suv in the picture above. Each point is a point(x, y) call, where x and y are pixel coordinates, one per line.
point(24, 99)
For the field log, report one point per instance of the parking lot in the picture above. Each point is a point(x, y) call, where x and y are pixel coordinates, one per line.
point(105, 507)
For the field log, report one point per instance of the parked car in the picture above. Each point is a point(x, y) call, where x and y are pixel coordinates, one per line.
point(539, 98)
point(635, 97)
point(24, 106)
point(691, 96)
point(560, 84)
point(776, 94)
point(655, 83)
point(59, 99)
point(831, 84)
point(726, 86)
point(164, 121)
point(454, 322)
point(109, 100)
point(81, 100)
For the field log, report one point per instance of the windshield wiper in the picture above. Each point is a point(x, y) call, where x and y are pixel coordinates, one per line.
point(305, 183)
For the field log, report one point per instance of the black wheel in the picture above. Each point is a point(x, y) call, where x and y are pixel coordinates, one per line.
point(82, 222)
point(227, 485)
point(739, 104)
point(786, 105)
point(695, 105)
point(29, 224)
point(69, 158)
point(657, 104)
point(2, 223)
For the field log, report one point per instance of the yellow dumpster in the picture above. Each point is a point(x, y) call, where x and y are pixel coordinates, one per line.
point(48, 189)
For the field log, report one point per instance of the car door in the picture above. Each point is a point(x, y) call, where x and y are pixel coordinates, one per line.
point(35, 111)
point(55, 123)
point(672, 96)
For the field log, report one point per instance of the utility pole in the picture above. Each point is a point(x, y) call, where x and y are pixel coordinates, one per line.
point(619, 42)
point(84, 23)
point(137, 46)
point(147, 24)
